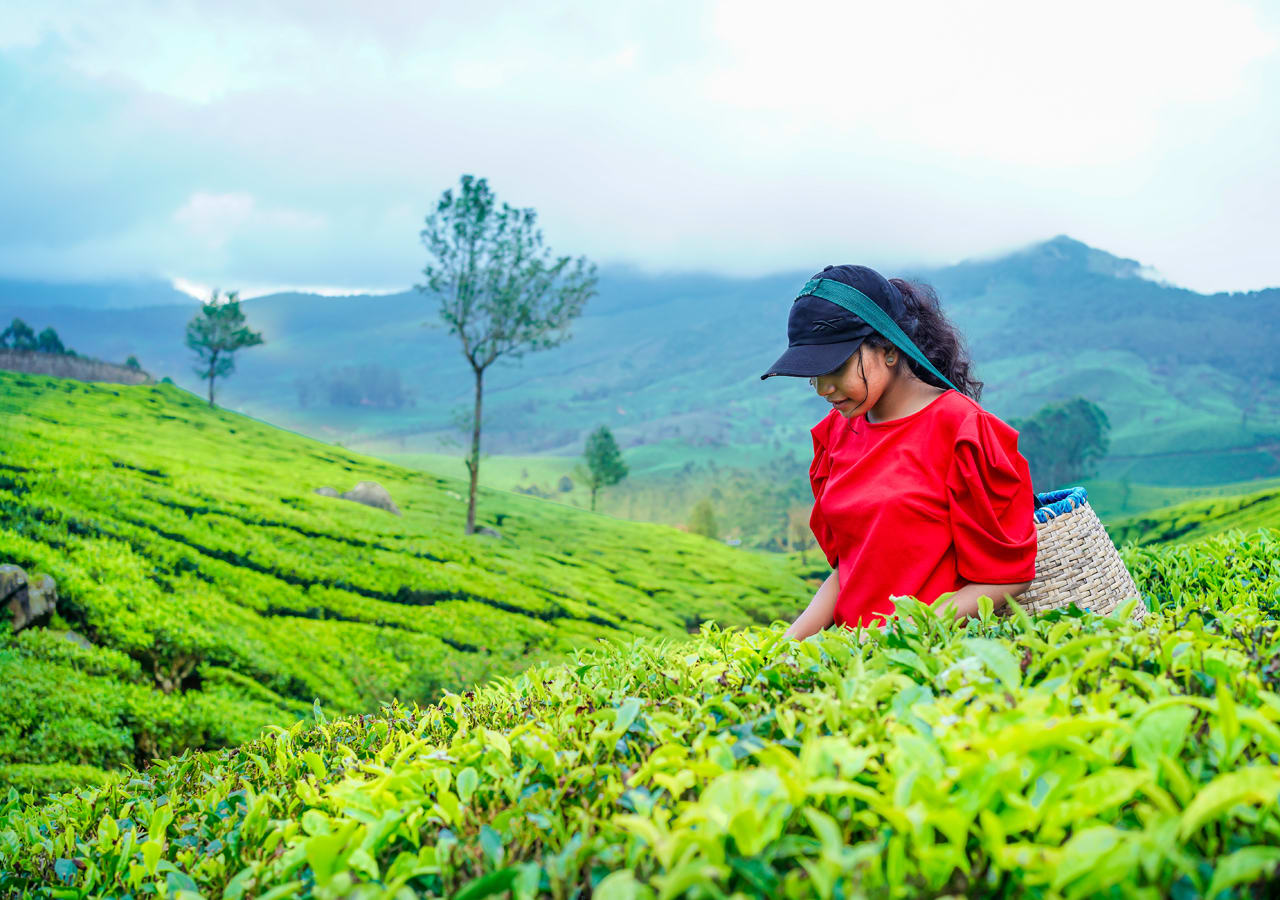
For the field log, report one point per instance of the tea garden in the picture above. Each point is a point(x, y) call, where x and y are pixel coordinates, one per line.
point(1069, 755)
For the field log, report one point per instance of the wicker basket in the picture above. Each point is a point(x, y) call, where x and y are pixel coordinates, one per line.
point(1075, 559)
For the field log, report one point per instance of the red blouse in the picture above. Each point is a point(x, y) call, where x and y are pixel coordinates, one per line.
point(920, 505)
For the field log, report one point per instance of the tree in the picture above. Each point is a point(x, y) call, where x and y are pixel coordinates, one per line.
point(215, 333)
point(499, 289)
point(799, 534)
point(702, 519)
point(18, 336)
point(1063, 442)
point(604, 465)
point(49, 342)
point(132, 363)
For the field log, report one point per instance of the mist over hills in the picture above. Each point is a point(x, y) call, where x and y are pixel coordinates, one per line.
point(1189, 380)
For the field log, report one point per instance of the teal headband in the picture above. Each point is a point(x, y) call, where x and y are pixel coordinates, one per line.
point(861, 305)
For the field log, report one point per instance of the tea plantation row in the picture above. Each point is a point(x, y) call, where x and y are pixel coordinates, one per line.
point(1199, 519)
point(1067, 756)
point(221, 594)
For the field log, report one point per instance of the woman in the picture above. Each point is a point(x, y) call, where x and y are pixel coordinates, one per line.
point(917, 489)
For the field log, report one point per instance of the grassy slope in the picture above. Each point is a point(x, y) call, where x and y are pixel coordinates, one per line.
point(180, 534)
point(1200, 519)
point(1114, 502)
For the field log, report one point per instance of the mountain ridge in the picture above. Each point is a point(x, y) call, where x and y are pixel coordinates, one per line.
point(675, 358)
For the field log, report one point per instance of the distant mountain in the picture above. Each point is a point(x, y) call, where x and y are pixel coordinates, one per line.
point(1189, 381)
point(91, 295)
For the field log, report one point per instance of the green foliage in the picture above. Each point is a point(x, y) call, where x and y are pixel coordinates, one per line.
point(215, 333)
point(702, 519)
point(1068, 755)
point(18, 336)
point(49, 342)
point(499, 289)
point(222, 594)
point(604, 465)
point(1063, 442)
point(1199, 519)
point(132, 362)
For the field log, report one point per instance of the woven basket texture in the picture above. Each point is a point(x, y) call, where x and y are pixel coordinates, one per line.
point(1076, 561)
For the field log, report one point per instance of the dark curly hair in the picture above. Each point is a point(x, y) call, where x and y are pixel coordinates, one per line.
point(938, 339)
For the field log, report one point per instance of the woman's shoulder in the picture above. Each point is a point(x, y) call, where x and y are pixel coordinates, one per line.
point(972, 423)
point(963, 408)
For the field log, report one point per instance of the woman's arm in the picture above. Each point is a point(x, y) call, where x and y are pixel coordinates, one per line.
point(820, 612)
point(966, 599)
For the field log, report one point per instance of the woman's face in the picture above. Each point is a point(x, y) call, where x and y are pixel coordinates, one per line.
point(844, 387)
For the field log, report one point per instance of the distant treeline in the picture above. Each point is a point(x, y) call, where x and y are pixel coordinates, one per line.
point(367, 385)
point(21, 336)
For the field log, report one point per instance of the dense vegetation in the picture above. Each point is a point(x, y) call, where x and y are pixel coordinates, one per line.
point(221, 594)
point(21, 336)
point(1198, 519)
point(1068, 756)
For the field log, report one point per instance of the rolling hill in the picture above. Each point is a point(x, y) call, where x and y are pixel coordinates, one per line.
point(672, 362)
point(219, 593)
point(1198, 519)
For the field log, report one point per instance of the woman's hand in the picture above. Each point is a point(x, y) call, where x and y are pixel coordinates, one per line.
point(819, 613)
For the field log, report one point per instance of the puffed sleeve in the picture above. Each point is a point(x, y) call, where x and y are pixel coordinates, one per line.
point(992, 505)
point(819, 469)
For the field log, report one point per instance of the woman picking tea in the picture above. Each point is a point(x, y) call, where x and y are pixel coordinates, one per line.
point(917, 489)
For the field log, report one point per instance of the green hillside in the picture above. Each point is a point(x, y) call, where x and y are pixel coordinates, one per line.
point(221, 594)
point(671, 362)
point(1064, 757)
point(1198, 519)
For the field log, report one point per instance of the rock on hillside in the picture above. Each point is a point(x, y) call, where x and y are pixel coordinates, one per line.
point(370, 493)
point(31, 601)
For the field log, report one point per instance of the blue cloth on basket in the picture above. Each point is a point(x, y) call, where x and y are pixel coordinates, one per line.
point(1055, 503)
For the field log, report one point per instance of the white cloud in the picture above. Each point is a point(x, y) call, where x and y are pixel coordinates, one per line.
point(214, 219)
point(306, 140)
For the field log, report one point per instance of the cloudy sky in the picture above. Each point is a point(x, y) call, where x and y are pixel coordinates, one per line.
point(300, 143)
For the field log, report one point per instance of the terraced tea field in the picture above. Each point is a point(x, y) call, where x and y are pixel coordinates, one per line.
point(221, 594)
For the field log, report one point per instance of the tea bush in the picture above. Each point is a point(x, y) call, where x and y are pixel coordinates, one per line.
point(1070, 755)
point(221, 594)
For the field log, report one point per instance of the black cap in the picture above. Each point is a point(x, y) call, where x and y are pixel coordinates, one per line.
point(821, 335)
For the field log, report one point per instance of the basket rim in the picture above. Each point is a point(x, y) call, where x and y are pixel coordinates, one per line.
point(1052, 504)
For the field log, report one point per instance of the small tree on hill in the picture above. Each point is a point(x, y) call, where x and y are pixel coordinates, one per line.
point(799, 534)
point(49, 342)
point(500, 291)
point(604, 465)
point(215, 333)
point(1063, 442)
point(18, 336)
point(132, 363)
point(702, 519)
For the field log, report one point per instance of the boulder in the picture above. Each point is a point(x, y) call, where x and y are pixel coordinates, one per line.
point(370, 493)
point(30, 601)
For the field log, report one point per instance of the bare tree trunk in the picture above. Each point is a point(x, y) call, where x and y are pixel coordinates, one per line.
point(473, 460)
point(213, 365)
point(593, 498)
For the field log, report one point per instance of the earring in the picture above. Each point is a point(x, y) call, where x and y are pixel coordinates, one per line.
point(891, 359)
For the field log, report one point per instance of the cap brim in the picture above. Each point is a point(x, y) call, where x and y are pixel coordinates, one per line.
point(809, 360)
